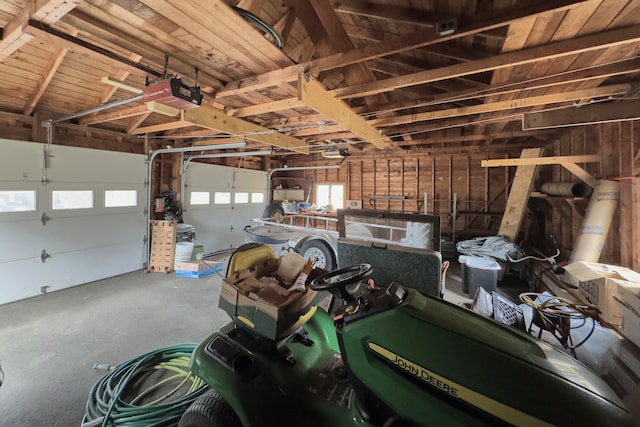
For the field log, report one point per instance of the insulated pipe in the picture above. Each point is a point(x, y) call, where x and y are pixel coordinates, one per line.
point(597, 221)
point(566, 189)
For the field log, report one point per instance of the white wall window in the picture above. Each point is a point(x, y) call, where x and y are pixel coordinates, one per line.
point(330, 194)
point(257, 197)
point(221, 198)
point(71, 199)
point(241, 198)
point(200, 198)
point(18, 201)
point(120, 198)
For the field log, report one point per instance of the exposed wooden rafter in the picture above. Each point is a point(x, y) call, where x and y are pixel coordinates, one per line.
point(314, 95)
point(604, 112)
point(497, 19)
point(48, 12)
point(610, 38)
point(212, 118)
point(569, 162)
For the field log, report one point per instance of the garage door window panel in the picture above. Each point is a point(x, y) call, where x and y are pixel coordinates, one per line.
point(241, 198)
point(18, 201)
point(71, 199)
point(197, 198)
point(120, 198)
point(222, 198)
point(257, 197)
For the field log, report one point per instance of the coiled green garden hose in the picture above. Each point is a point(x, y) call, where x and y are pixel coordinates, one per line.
point(108, 406)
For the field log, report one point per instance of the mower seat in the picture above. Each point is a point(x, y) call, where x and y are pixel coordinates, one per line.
point(248, 255)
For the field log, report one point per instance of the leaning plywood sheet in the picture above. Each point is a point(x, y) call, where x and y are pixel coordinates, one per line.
point(517, 202)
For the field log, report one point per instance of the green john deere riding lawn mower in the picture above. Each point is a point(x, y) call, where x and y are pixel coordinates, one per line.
point(390, 356)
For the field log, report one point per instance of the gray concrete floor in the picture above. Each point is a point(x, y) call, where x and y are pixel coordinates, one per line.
point(49, 344)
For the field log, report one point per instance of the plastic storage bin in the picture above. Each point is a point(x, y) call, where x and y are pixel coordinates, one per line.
point(481, 272)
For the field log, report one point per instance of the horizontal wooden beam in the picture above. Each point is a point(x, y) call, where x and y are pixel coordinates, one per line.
point(603, 112)
point(625, 35)
point(162, 127)
point(268, 107)
point(120, 85)
point(564, 78)
point(505, 105)
point(470, 138)
point(313, 94)
point(553, 160)
point(213, 118)
point(479, 23)
point(114, 115)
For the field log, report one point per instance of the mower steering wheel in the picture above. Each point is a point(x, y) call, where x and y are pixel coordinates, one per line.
point(337, 281)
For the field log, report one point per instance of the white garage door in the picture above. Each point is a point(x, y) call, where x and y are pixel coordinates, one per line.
point(87, 222)
point(220, 201)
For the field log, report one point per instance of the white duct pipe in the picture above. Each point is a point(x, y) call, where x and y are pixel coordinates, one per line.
point(597, 221)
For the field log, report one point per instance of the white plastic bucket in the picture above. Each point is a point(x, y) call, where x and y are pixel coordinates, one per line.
point(183, 252)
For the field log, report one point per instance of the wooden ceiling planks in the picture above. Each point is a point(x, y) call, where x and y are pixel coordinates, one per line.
point(577, 21)
point(424, 76)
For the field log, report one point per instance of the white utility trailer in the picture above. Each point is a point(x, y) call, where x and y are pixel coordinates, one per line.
point(320, 242)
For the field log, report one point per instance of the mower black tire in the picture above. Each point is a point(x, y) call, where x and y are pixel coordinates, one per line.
point(319, 251)
point(209, 410)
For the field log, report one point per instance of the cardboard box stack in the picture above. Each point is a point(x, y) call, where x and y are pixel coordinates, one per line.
point(614, 289)
point(267, 297)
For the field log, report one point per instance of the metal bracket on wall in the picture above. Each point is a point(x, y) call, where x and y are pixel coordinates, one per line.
point(44, 255)
point(44, 218)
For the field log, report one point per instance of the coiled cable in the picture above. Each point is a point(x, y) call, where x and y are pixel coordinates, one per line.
point(257, 22)
point(115, 400)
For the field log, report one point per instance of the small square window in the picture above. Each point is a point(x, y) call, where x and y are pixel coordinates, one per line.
point(221, 198)
point(257, 197)
point(241, 198)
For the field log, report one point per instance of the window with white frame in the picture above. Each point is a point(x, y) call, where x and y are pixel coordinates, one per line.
point(330, 194)
point(200, 198)
point(221, 198)
point(71, 199)
point(18, 201)
point(120, 198)
point(241, 197)
point(257, 197)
